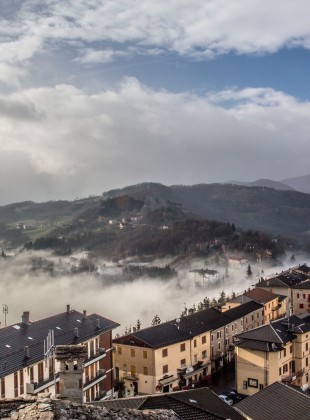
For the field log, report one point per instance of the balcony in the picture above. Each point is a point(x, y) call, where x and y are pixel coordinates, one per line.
point(36, 387)
point(192, 370)
point(131, 376)
point(101, 374)
point(100, 354)
point(293, 376)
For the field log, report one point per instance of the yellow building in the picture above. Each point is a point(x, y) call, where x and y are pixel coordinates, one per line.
point(181, 352)
point(279, 351)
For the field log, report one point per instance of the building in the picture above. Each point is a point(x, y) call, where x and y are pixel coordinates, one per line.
point(275, 306)
point(277, 402)
point(24, 370)
point(279, 351)
point(182, 352)
point(300, 298)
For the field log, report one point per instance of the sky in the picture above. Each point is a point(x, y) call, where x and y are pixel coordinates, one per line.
point(100, 94)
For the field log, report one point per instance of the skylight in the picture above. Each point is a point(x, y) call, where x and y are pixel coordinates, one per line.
point(30, 338)
point(78, 320)
point(58, 328)
point(17, 327)
point(8, 346)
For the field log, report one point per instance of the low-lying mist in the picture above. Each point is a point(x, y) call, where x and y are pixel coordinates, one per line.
point(44, 285)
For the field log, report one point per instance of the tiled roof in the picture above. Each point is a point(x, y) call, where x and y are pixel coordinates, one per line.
point(243, 310)
point(194, 404)
point(177, 330)
point(277, 402)
point(288, 278)
point(303, 285)
point(261, 295)
point(14, 338)
point(279, 332)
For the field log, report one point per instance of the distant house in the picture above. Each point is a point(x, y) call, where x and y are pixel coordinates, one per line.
point(237, 261)
point(301, 298)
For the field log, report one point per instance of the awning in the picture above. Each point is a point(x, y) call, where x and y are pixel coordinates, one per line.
point(168, 380)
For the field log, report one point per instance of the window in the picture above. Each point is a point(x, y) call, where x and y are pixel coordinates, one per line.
point(119, 350)
point(261, 386)
point(86, 370)
point(301, 305)
point(211, 337)
point(285, 368)
point(133, 370)
point(2, 387)
point(252, 317)
point(303, 296)
point(307, 361)
point(31, 375)
point(245, 384)
point(291, 349)
point(297, 295)
point(133, 352)
point(204, 339)
point(195, 343)
point(165, 369)
point(219, 346)
point(40, 372)
point(204, 354)
point(257, 315)
point(125, 367)
point(307, 346)
point(232, 327)
point(182, 347)
point(145, 370)
point(15, 384)
point(218, 335)
point(183, 362)
point(164, 352)
point(195, 358)
point(241, 322)
point(144, 354)
point(280, 371)
point(21, 381)
point(284, 353)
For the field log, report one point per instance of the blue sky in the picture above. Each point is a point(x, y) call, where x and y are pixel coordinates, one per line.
point(100, 94)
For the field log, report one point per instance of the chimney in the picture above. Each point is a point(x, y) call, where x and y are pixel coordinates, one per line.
point(76, 332)
point(84, 313)
point(26, 352)
point(25, 318)
point(68, 309)
point(97, 323)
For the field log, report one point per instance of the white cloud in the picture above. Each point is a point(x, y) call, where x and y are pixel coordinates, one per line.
point(198, 29)
point(90, 143)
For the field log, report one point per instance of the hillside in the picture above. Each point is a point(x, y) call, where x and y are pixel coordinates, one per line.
point(268, 183)
point(299, 183)
point(128, 215)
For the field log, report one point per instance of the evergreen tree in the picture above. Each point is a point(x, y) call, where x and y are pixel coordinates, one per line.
point(206, 303)
point(213, 302)
point(222, 298)
point(200, 307)
point(249, 271)
point(138, 325)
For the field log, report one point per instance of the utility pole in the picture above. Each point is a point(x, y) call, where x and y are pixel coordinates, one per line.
point(5, 310)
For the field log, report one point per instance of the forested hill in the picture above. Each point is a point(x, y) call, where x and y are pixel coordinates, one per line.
point(274, 211)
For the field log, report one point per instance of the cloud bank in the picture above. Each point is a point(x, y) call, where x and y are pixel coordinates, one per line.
point(63, 142)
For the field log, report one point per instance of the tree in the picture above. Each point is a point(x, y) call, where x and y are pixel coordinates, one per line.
point(156, 320)
point(213, 302)
point(222, 298)
point(138, 325)
point(249, 271)
point(206, 303)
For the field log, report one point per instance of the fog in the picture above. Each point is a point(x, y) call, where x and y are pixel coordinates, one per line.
point(44, 285)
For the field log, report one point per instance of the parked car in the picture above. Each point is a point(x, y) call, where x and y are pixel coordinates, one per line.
point(233, 395)
point(225, 398)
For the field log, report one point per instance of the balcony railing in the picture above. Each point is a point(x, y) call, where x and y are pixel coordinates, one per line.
point(35, 387)
point(131, 376)
point(293, 376)
point(100, 354)
point(101, 374)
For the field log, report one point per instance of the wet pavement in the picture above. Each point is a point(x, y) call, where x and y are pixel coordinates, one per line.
point(223, 379)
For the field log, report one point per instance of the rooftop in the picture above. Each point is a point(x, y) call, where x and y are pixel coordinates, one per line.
point(277, 402)
point(14, 338)
point(272, 336)
point(288, 278)
point(261, 295)
point(195, 404)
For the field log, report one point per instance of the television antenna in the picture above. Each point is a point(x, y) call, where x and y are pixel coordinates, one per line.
point(5, 310)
